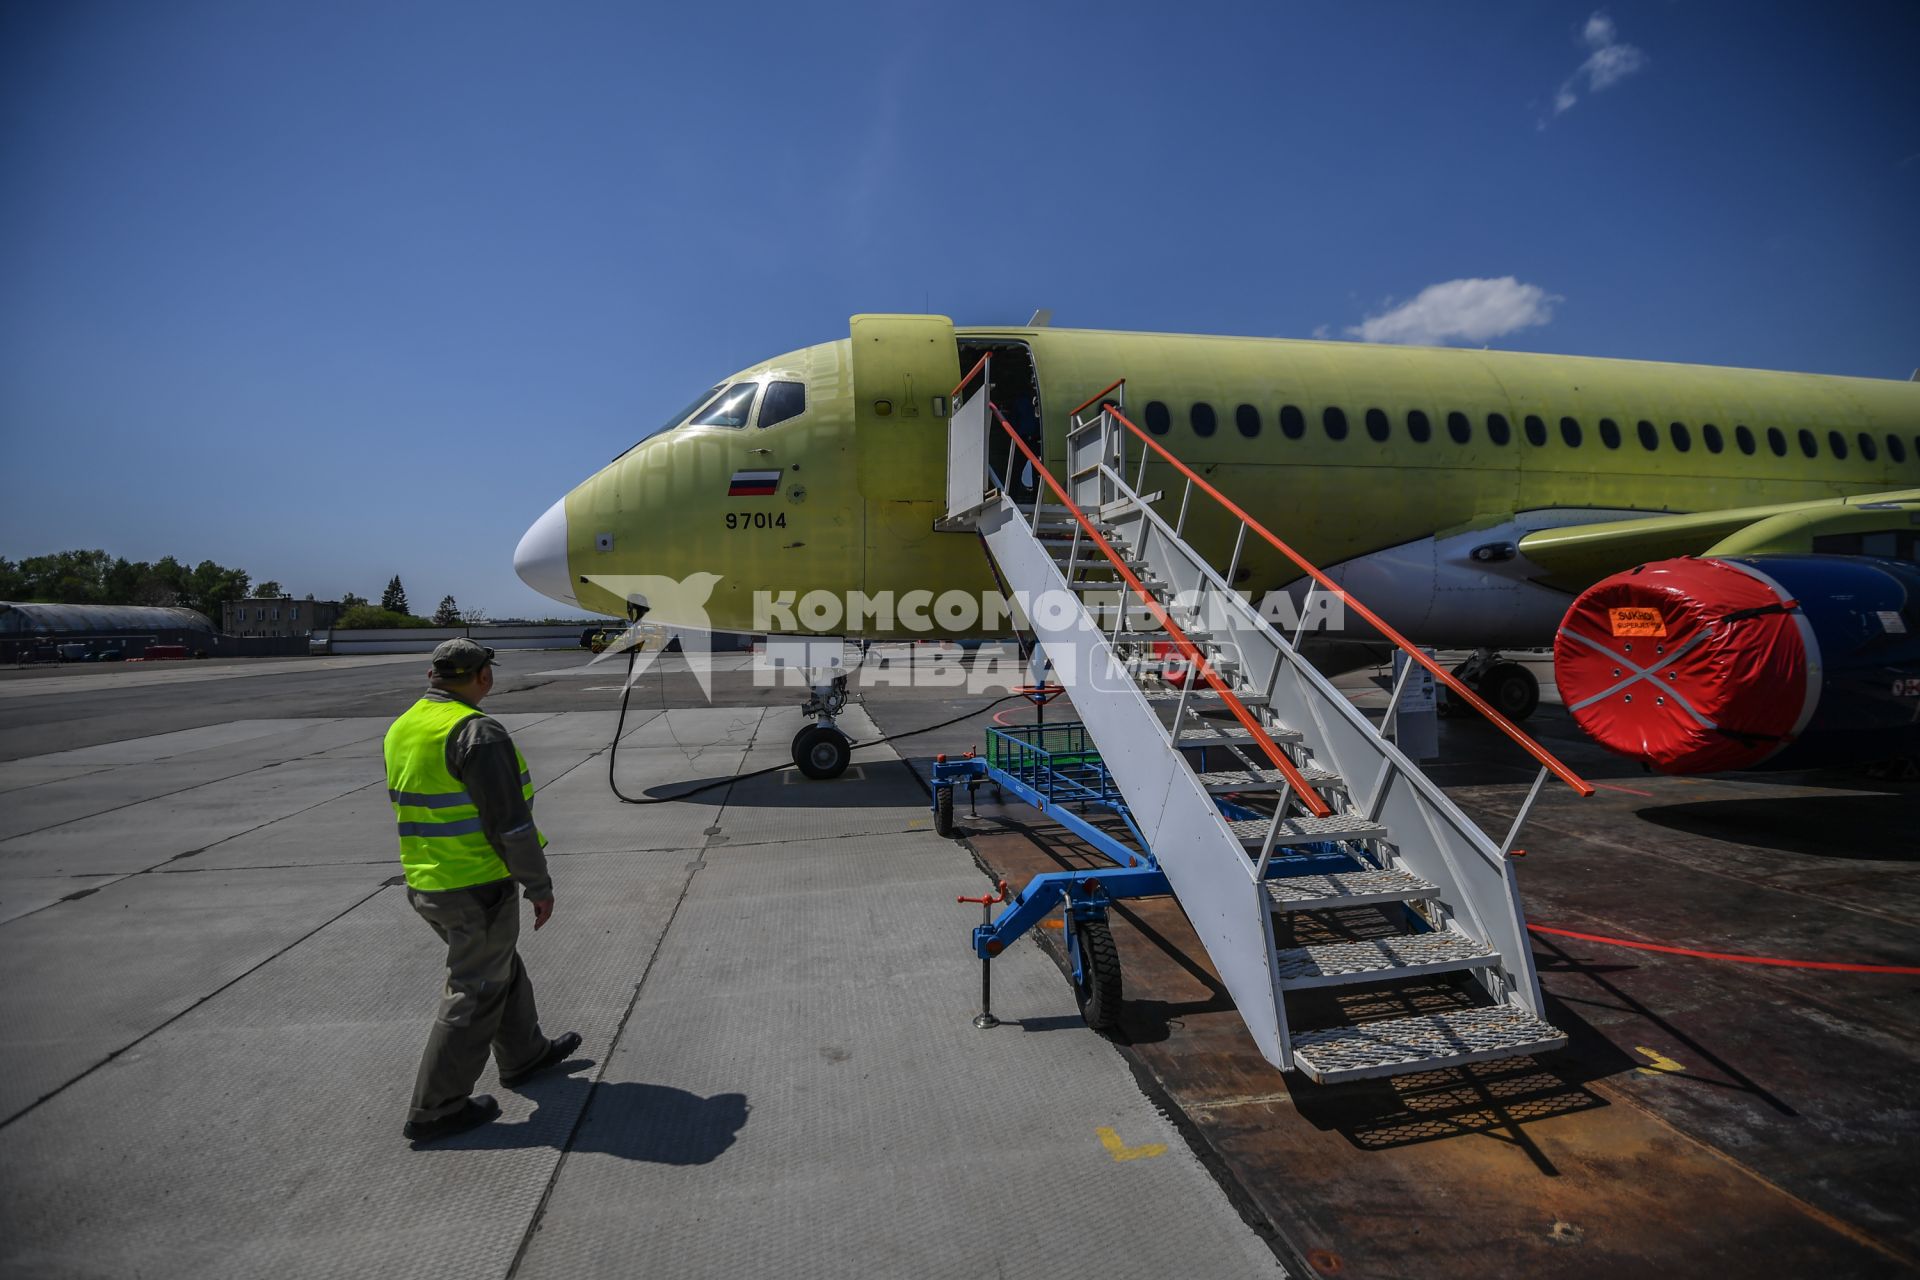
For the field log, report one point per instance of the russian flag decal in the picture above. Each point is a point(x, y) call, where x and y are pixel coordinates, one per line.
point(754, 484)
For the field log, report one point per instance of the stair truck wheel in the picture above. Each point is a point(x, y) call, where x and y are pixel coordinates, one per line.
point(943, 811)
point(1511, 689)
point(821, 751)
point(1098, 983)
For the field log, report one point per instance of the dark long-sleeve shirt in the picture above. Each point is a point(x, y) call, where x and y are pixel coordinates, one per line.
point(480, 754)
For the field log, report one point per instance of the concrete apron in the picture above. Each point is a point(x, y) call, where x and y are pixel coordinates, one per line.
point(218, 995)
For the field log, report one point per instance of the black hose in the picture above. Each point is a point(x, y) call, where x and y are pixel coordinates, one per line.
point(620, 726)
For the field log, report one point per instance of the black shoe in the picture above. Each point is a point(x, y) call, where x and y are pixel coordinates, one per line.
point(559, 1049)
point(479, 1109)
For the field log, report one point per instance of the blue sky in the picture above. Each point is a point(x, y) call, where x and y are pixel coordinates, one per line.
point(337, 291)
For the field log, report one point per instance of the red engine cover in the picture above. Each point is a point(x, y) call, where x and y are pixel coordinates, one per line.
point(1666, 664)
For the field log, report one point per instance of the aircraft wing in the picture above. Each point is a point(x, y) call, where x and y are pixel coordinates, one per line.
point(1575, 556)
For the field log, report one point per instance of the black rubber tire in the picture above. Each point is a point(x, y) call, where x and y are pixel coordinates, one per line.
point(943, 811)
point(1512, 690)
point(821, 752)
point(1098, 988)
point(1444, 704)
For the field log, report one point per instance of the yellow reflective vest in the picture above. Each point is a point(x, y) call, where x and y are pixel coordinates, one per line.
point(442, 845)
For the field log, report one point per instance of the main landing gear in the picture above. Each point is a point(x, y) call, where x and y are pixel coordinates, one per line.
point(820, 749)
point(1508, 686)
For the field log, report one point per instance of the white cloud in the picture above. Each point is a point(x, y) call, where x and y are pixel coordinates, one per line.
point(1460, 311)
point(1609, 62)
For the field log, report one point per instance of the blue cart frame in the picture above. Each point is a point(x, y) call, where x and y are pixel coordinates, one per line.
point(1057, 769)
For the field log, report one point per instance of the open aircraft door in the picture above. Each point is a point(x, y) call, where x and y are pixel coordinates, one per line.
point(904, 371)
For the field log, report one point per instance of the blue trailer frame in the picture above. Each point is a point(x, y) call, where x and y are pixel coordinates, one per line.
point(1056, 769)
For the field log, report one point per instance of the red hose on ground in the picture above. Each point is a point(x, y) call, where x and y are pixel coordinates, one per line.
point(1834, 965)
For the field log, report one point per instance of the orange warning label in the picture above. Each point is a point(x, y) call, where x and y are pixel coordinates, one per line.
point(1636, 622)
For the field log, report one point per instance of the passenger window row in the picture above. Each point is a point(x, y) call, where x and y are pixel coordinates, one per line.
point(1678, 435)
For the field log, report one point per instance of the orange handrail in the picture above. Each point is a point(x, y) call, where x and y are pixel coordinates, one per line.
point(1188, 650)
point(1075, 411)
point(969, 376)
point(1472, 699)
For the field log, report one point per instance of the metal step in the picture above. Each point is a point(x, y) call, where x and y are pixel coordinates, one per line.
point(1330, 890)
point(1252, 832)
point(1427, 1043)
point(1210, 733)
point(1333, 964)
point(1219, 782)
point(1172, 695)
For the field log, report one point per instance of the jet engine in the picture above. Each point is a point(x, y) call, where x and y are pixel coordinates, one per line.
point(1763, 662)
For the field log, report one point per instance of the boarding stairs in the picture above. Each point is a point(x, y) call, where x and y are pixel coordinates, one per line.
point(1363, 925)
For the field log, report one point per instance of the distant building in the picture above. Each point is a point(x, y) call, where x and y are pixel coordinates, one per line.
point(284, 616)
point(69, 632)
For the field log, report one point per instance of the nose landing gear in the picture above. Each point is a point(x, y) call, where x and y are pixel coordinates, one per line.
point(820, 749)
point(1510, 687)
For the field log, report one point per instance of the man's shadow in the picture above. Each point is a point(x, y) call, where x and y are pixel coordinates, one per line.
point(631, 1120)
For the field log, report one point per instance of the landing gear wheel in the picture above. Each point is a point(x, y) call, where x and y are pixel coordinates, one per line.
point(1098, 984)
point(1511, 689)
point(943, 811)
point(821, 751)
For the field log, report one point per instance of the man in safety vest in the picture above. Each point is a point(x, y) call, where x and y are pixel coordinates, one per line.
point(464, 802)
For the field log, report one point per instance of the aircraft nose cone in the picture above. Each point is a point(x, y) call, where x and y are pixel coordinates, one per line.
point(541, 557)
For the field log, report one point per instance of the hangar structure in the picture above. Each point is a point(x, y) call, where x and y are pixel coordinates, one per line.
point(50, 632)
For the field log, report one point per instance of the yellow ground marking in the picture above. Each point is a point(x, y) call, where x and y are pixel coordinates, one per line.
point(1662, 1065)
point(1121, 1151)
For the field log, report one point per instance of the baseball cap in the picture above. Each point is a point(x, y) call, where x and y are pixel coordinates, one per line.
point(460, 657)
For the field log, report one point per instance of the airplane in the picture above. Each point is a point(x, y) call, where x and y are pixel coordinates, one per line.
point(1470, 497)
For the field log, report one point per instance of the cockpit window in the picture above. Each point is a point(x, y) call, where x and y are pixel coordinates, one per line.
point(731, 409)
point(695, 403)
point(679, 417)
point(783, 400)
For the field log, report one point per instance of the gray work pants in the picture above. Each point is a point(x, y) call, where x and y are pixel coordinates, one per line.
point(488, 1003)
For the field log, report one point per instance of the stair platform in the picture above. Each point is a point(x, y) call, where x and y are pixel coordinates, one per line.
point(1429, 1042)
point(1329, 890)
point(1338, 963)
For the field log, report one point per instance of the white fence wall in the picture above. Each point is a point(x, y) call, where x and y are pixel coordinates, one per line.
point(426, 639)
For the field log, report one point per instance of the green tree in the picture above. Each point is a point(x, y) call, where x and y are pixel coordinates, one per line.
point(66, 577)
point(351, 601)
point(268, 590)
point(448, 614)
point(394, 598)
point(209, 586)
point(9, 579)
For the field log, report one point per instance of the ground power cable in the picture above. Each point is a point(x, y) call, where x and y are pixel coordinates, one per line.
point(613, 751)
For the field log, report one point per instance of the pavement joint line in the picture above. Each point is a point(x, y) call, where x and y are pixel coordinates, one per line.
point(162, 866)
point(255, 768)
point(85, 773)
point(693, 869)
point(155, 1030)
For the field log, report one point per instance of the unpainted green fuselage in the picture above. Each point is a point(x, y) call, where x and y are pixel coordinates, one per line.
point(862, 470)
